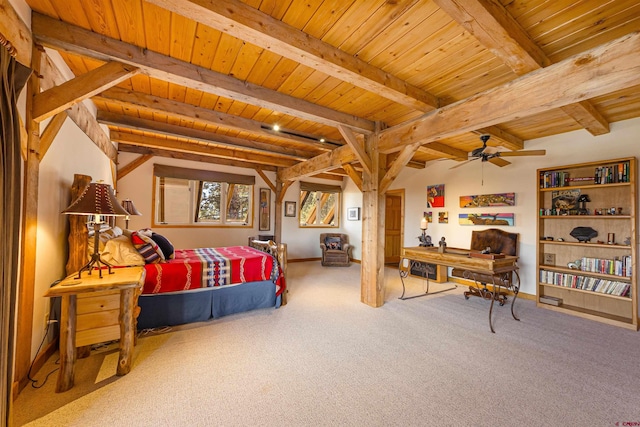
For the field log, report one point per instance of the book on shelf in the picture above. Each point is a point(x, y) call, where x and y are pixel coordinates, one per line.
point(612, 174)
point(616, 267)
point(586, 283)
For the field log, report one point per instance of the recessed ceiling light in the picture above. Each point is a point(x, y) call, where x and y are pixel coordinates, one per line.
point(321, 139)
point(276, 128)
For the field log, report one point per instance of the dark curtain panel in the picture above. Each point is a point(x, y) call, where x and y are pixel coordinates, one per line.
point(14, 76)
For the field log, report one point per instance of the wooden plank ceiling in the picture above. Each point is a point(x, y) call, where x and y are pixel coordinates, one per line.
point(209, 80)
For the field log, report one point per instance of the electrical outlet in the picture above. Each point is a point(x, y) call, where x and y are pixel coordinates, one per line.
point(46, 320)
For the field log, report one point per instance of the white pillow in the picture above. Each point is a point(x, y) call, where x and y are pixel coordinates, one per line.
point(121, 252)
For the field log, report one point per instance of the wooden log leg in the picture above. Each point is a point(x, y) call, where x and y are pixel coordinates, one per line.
point(127, 331)
point(67, 344)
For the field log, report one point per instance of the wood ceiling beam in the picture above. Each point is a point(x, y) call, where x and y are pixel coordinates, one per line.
point(598, 71)
point(355, 176)
point(78, 113)
point(604, 69)
point(396, 167)
point(174, 109)
point(16, 34)
point(62, 36)
point(499, 32)
point(58, 98)
point(133, 165)
point(323, 162)
point(176, 131)
point(253, 26)
point(128, 148)
point(50, 132)
point(205, 150)
point(357, 147)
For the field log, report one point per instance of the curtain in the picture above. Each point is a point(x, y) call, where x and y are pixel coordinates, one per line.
point(14, 76)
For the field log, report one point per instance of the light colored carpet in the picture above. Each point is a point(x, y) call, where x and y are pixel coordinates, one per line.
point(326, 359)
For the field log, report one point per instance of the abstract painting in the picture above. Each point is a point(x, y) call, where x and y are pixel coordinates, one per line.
point(484, 200)
point(506, 219)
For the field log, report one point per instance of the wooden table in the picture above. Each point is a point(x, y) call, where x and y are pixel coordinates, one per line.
point(126, 280)
point(498, 269)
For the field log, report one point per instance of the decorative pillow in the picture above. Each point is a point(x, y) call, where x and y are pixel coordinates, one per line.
point(149, 250)
point(333, 243)
point(119, 251)
point(165, 245)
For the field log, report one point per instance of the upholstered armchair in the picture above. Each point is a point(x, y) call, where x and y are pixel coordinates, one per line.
point(336, 250)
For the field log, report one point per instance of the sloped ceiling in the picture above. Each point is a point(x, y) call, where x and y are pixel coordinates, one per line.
point(210, 79)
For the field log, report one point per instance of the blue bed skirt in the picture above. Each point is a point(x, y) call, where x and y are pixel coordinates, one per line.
point(198, 305)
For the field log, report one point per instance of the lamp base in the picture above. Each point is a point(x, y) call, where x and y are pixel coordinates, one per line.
point(95, 262)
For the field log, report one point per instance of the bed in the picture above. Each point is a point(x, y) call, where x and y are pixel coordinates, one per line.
point(188, 286)
point(208, 283)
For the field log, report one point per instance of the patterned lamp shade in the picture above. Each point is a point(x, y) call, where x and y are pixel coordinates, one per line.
point(130, 207)
point(96, 199)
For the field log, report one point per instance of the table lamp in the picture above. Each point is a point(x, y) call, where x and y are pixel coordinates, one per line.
point(128, 206)
point(96, 200)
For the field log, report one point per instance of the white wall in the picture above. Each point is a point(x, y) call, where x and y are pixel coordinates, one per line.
point(519, 177)
point(473, 178)
point(138, 186)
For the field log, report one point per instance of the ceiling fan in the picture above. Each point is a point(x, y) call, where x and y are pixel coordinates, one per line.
point(489, 154)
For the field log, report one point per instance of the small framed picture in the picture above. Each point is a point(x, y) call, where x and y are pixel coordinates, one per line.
point(290, 209)
point(353, 214)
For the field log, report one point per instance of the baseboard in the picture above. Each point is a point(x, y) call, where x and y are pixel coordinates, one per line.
point(357, 261)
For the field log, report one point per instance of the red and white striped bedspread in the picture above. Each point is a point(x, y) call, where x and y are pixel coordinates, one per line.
point(209, 267)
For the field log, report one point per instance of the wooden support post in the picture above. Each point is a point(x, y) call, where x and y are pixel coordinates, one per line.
point(278, 223)
point(29, 227)
point(373, 208)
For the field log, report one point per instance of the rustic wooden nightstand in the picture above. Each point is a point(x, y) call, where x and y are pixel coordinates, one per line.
point(128, 281)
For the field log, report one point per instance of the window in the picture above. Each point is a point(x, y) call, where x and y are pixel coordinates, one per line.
point(201, 198)
point(319, 205)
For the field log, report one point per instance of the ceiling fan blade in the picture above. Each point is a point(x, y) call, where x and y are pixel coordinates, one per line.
point(498, 161)
point(523, 153)
point(463, 163)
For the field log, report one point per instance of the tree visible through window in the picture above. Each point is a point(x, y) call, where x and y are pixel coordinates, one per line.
point(183, 201)
point(318, 208)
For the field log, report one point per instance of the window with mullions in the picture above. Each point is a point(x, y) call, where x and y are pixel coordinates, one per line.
point(198, 198)
point(319, 205)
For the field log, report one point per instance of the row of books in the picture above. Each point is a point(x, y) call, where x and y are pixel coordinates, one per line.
point(594, 284)
point(618, 266)
point(602, 175)
point(554, 179)
point(612, 174)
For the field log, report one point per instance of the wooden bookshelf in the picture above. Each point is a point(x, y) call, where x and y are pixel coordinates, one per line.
point(607, 292)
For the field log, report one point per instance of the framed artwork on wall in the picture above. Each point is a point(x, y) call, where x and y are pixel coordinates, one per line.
point(290, 209)
point(485, 200)
point(486, 219)
point(443, 217)
point(264, 220)
point(353, 214)
point(435, 196)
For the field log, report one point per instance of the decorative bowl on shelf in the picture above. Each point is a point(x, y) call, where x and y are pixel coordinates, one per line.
point(583, 234)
